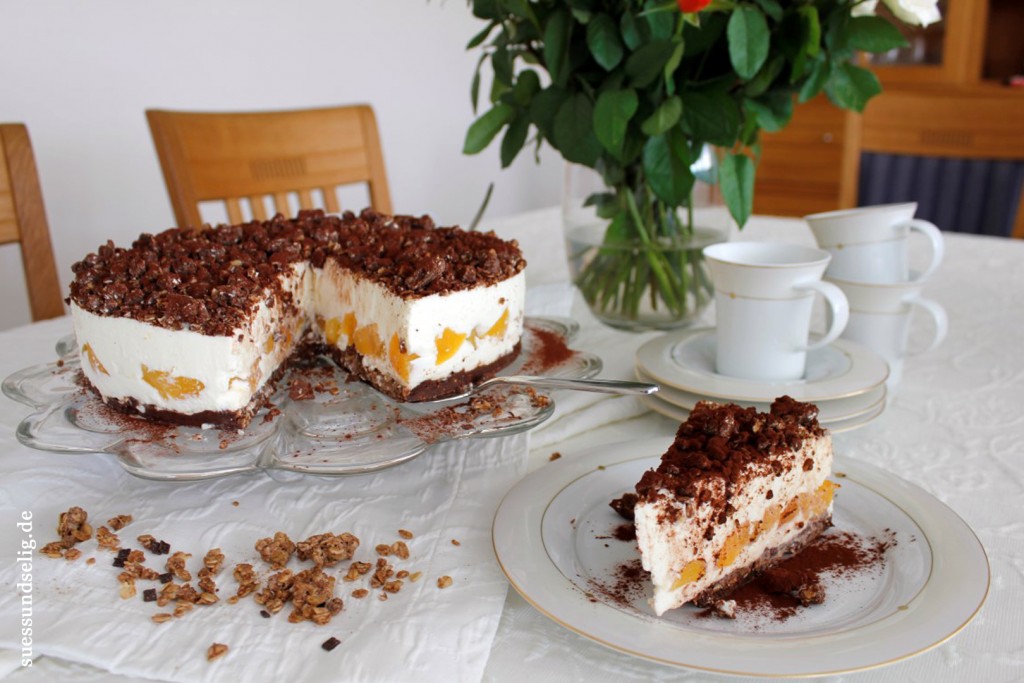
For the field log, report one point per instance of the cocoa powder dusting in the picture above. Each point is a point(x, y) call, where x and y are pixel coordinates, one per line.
point(628, 584)
point(550, 352)
point(779, 593)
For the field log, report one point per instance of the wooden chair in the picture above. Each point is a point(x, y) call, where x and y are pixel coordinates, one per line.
point(250, 157)
point(23, 220)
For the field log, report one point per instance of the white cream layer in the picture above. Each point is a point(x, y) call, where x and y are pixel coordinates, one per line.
point(232, 369)
point(668, 547)
point(419, 323)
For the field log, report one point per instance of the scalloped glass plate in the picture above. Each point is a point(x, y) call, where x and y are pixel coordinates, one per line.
point(347, 428)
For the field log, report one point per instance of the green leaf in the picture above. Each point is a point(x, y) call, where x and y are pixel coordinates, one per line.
point(474, 88)
point(644, 65)
point(612, 112)
point(812, 29)
point(736, 178)
point(749, 131)
point(485, 128)
point(712, 116)
point(772, 8)
point(479, 38)
point(667, 173)
point(773, 111)
point(501, 62)
point(703, 38)
point(850, 87)
point(874, 34)
point(748, 40)
point(498, 88)
point(582, 16)
point(765, 77)
point(820, 71)
point(634, 32)
point(486, 9)
point(837, 31)
point(515, 138)
point(604, 42)
point(573, 131)
point(527, 85)
point(664, 117)
point(544, 107)
point(671, 65)
point(520, 8)
point(556, 46)
point(660, 21)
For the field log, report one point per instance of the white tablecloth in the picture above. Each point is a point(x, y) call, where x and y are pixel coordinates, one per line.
point(955, 427)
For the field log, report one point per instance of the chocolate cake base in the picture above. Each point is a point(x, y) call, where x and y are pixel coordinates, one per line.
point(431, 390)
point(721, 589)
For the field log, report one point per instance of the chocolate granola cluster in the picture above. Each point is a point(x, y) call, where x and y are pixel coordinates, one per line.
point(730, 442)
point(210, 279)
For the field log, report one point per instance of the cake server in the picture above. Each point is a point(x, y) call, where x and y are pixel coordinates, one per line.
point(604, 386)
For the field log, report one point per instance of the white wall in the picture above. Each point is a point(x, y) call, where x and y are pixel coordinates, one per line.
point(81, 73)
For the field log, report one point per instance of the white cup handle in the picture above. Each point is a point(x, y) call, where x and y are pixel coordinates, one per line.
point(838, 306)
point(938, 315)
point(934, 236)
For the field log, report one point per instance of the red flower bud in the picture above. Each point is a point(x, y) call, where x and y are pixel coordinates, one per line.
point(692, 5)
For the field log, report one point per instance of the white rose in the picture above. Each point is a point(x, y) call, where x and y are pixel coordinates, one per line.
point(921, 12)
point(864, 9)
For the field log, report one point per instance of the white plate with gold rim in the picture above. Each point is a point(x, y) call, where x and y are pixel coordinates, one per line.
point(551, 538)
point(685, 360)
point(829, 411)
point(678, 414)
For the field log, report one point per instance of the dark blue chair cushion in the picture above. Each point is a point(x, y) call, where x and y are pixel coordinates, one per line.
point(978, 196)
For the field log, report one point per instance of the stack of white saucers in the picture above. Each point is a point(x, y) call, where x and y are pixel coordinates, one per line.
point(844, 379)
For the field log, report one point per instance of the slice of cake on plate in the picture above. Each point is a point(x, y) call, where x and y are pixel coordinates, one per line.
point(195, 326)
point(736, 492)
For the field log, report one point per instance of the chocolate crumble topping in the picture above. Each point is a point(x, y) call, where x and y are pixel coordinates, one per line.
point(209, 279)
point(731, 444)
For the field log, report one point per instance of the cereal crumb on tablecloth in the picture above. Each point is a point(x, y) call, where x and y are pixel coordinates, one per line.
point(216, 650)
point(119, 522)
point(276, 551)
point(176, 565)
point(326, 550)
point(107, 539)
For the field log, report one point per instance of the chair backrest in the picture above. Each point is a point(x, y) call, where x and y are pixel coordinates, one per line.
point(959, 155)
point(23, 220)
point(253, 157)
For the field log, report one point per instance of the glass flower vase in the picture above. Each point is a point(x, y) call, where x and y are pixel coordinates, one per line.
point(638, 262)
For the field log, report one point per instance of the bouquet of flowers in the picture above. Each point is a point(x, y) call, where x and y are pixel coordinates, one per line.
point(637, 89)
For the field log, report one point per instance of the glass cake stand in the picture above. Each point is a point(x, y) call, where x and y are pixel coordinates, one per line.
point(346, 428)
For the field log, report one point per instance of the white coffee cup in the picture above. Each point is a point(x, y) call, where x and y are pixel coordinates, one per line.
point(870, 244)
point(764, 293)
point(880, 319)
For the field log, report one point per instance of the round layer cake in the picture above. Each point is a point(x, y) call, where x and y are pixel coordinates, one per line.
point(195, 326)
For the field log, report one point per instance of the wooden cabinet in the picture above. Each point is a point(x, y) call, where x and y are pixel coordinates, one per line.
point(802, 166)
point(944, 95)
